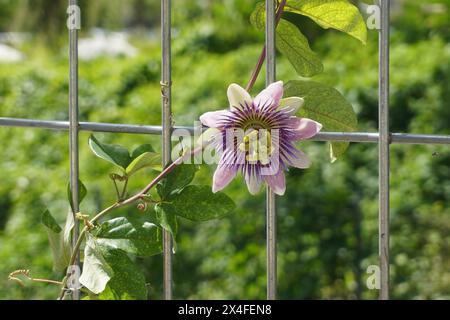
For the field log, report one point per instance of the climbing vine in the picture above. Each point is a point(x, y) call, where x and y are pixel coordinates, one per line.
point(107, 271)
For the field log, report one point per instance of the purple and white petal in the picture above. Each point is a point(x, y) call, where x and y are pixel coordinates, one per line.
point(267, 112)
point(253, 182)
point(298, 160)
point(270, 96)
point(303, 128)
point(238, 96)
point(223, 176)
point(214, 119)
point(277, 182)
point(291, 105)
point(208, 136)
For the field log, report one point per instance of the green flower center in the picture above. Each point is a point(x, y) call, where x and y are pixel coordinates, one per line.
point(257, 145)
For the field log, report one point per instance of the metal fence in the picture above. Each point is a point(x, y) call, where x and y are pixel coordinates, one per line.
point(384, 138)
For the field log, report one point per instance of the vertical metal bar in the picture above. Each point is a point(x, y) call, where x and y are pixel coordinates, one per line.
point(271, 236)
point(166, 82)
point(383, 153)
point(73, 131)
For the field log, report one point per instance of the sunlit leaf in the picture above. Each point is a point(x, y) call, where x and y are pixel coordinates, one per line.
point(327, 106)
point(337, 14)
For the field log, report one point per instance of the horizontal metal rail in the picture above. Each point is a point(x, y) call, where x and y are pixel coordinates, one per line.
point(398, 138)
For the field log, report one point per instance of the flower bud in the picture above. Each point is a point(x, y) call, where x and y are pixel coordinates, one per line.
point(142, 206)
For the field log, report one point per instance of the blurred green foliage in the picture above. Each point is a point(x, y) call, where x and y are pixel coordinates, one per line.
point(327, 221)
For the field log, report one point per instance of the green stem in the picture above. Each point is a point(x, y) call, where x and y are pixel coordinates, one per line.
point(46, 281)
point(124, 190)
point(26, 273)
point(83, 232)
point(165, 172)
point(80, 241)
point(117, 189)
point(116, 205)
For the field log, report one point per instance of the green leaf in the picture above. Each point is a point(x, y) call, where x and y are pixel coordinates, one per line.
point(67, 233)
point(50, 222)
point(141, 149)
point(142, 157)
point(96, 270)
point(113, 153)
point(61, 254)
point(109, 294)
point(128, 282)
point(199, 203)
point(180, 177)
point(82, 192)
point(337, 14)
point(166, 218)
point(139, 238)
point(105, 267)
point(146, 159)
point(294, 45)
point(327, 106)
point(291, 43)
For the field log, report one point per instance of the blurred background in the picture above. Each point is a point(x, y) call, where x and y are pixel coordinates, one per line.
point(327, 221)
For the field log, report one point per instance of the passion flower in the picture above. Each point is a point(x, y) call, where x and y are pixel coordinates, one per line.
point(256, 137)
